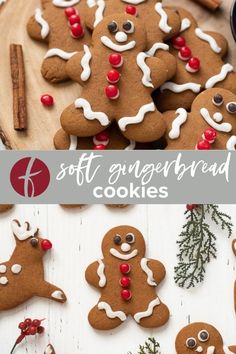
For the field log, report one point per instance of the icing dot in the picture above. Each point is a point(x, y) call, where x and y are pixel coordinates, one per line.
point(16, 268)
point(112, 92)
point(3, 280)
point(185, 53)
point(3, 268)
point(218, 117)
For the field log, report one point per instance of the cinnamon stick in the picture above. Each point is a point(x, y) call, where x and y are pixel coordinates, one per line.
point(18, 85)
point(210, 4)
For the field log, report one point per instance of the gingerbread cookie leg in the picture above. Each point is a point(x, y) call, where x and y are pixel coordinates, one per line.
point(102, 317)
point(52, 292)
point(156, 314)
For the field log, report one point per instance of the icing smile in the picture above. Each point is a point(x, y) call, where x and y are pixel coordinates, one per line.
point(117, 47)
point(125, 257)
point(214, 121)
point(134, 2)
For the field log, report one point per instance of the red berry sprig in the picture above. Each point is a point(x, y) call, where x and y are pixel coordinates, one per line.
point(28, 328)
point(191, 207)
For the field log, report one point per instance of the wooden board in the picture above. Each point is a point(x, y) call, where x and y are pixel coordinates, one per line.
point(43, 123)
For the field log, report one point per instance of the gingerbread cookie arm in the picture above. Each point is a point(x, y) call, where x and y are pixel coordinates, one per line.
point(157, 269)
point(159, 71)
point(232, 348)
point(95, 274)
point(219, 43)
point(90, 16)
point(38, 28)
point(78, 67)
point(52, 292)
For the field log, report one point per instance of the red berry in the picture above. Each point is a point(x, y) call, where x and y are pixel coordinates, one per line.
point(131, 10)
point(185, 53)
point(46, 245)
point(40, 329)
point(32, 330)
point(113, 76)
point(103, 136)
point(22, 326)
point(210, 135)
point(112, 92)
point(191, 206)
point(36, 323)
point(74, 19)
point(125, 268)
point(115, 60)
point(178, 42)
point(99, 147)
point(47, 100)
point(28, 322)
point(193, 65)
point(77, 30)
point(126, 294)
point(125, 282)
point(70, 11)
point(203, 145)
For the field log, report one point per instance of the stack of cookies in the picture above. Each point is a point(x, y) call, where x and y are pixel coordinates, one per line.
point(150, 77)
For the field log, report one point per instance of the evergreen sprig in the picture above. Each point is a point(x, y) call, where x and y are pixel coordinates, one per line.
point(151, 346)
point(197, 243)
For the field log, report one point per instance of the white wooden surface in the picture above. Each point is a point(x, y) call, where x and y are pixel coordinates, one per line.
point(76, 236)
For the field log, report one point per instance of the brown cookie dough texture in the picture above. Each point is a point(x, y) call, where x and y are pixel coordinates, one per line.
point(209, 48)
point(50, 25)
point(214, 108)
point(161, 23)
point(49, 350)
point(22, 277)
point(5, 207)
point(127, 281)
point(201, 338)
point(135, 114)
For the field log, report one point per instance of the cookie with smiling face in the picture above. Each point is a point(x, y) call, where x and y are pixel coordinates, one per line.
point(210, 124)
point(127, 281)
point(60, 24)
point(118, 77)
point(201, 338)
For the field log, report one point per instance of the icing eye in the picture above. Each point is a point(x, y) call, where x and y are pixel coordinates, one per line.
point(128, 27)
point(231, 107)
point(217, 100)
point(34, 242)
point(130, 238)
point(117, 240)
point(191, 343)
point(203, 335)
point(112, 27)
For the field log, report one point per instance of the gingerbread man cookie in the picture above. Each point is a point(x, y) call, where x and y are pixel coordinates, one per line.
point(22, 277)
point(161, 23)
point(116, 67)
point(49, 350)
point(201, 338)
point(199, 65)
point(5, 207)
point(127, 281)
point(61, 25)
point(210, 124)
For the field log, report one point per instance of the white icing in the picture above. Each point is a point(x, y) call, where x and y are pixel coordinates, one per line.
point(131, 146)
point(152, 51)
point(42, 22)
point(210, 350)
point(185, 24)
point(3, 268)
point(189, 69)
point(91, 3)
point(124, 257)
point(48, 350)
point(148, 271)
point(223, 127)
point(125, 247)
point(57, 295)
point(111, 314)
point(99, 142)
point(226, 68)
point(123, 122)
point(139, 315)
point(199, 349)
point(117, 47)
point(171, 86)
point(163, 24)
point(3, 280)
point(99, 12)
point(101, 274)
point(85, 75)
point(231, 143)
point(226, 350)
point(56, 52)
point(218, 117)
point(177, 122)
point(134, 2)
point(23, 232)
point(16, 268)
point(90, 114)
point(65, 3)
point(207, 38)
point(73, 142)
point(121, 37)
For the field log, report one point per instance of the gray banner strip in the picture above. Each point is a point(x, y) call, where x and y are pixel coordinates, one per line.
point(132, 177)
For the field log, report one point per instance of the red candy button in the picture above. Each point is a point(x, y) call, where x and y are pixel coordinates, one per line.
point(125, 268)
point(46, 245)
point(185, 53)
point(47, 100)
point(178, 42)
point(103, 136)
point(115, 60)
point(113, 76)
point(112, 92)
point(70, 11)
point(125, 282)
point(99, 147)
point(126, 295)
point(74, 19)
point(77, 30)
point(193, 65)
point(203, 145)
point(210, 135)
point(131, 10)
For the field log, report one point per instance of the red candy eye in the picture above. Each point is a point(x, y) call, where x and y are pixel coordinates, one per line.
point(131, 10)
point(185, 53)
point(178, 42)
point(113, 76)
point(115, 60)
point(74, 19)
point(193, 65)
point(46, 245)
point(70, 11)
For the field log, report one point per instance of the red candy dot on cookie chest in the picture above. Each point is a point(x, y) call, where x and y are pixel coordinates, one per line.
point(126, 294)
point(112, 92)
point(210, 135)
point(103, 136)
point(185, 53)
point(77, 30)
point(125, 268)
point(125, 282)
point(193, 65)
point(131, 10)
point(178, 42)
point(203, 145)
point(113, 76)
point(115, 60)
point(70, 11)
point(47, 100)
point(99, 147)
point(74, 19)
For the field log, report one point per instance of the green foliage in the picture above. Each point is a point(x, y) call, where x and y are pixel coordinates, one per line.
point(151, 346)
point(197, 243)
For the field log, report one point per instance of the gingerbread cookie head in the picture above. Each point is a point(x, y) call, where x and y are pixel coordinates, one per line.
point(199, 338)
point(124, 243)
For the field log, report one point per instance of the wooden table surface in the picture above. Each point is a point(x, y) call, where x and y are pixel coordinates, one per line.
point(43, 123)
